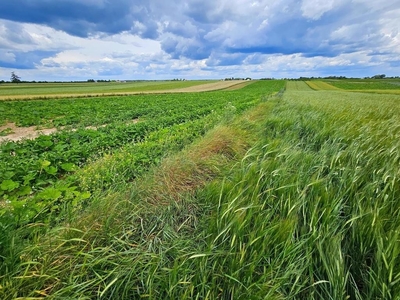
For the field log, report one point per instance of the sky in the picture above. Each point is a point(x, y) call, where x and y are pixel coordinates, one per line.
point(63, 40)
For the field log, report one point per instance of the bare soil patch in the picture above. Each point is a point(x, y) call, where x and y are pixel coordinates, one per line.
point(19, 133)
point(220, 85)
point(237, 86)
point(32, 132)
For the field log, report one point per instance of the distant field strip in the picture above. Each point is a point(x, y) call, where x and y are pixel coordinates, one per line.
point(320, 85)
point(45, 91)
point(299, 86)
point(213, 86)
point(238, 86)
point(69, 90)
point(384, 86)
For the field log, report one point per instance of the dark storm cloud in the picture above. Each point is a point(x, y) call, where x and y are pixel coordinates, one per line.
point(82, 18)
point(290, 30)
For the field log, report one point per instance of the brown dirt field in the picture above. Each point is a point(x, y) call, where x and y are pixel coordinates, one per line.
point(220, 85)
point(237, 86)
point(19, 133)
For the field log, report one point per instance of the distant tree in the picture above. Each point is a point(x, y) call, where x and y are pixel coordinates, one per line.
point(15, 78)
point(90, 80)
point(379, 76)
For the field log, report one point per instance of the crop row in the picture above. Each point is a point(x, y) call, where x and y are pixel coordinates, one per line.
point(105, 110)
point(31, 170)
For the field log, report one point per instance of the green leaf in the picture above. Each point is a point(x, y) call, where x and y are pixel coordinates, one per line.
point(9, 185)
point(50, 194)
point(26, 190)
point(69, 167)
point(8, 174)
point(18, 205)
point(86, 195)
point(45, 143)
point(51, 170)
point(28, 178)
point(83, 195)
point(44, 164)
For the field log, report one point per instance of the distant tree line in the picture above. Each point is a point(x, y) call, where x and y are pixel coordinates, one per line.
point(237, 78)
point(379, 76)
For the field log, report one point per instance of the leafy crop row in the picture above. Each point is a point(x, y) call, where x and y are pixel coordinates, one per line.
point(33, 172)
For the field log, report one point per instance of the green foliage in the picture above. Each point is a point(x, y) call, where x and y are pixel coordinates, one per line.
point(41, 178)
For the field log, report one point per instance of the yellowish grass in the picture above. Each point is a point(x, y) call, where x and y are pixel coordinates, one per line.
point(194, 167)
point(320, 85)
point(191, 169)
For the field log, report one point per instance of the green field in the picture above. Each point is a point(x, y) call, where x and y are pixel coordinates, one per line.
point(46, 89)
point(272, 191)
point(374, 86)
point(367, 84)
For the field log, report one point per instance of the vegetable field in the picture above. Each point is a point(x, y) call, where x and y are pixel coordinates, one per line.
point(273, 191)
point(36, 175)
